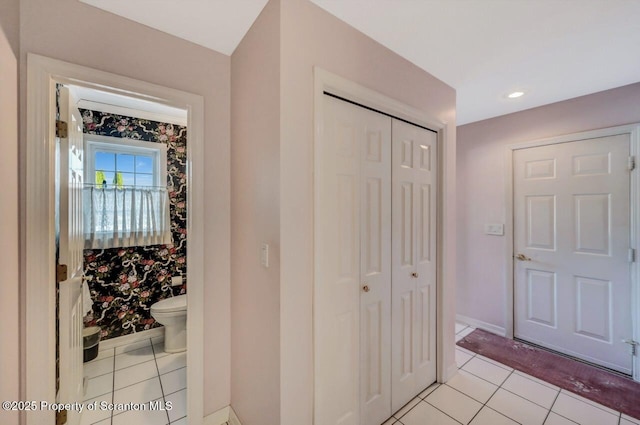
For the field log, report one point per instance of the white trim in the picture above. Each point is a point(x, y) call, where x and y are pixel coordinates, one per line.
point(38, 188)
point(108, 344)
point(219, 417)
point(634, 135)
point(233, 418)
point(479, 324)
point(325, 81)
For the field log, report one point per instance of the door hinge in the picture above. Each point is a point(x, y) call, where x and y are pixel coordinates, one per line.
point(61, 272)
point(62, 130)
point(632, 255)
point(61, 417)
point(632, 163)
point(633, 344)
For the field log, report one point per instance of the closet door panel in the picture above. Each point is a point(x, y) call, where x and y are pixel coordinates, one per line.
point(403, 287)
point(413, 260)
point(425, 194)
point(375, 267)
point(337, 287)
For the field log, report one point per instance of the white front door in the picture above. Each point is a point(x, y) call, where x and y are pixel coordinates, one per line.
point(71, 247)
point(413, 261)
point(352, 267)
point(572, 249)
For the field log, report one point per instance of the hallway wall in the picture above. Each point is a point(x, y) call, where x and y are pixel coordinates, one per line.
point(481, 186)
point(78, 33)
point(312, 37)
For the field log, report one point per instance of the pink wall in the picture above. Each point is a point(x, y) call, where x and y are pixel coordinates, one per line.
point(9, 264)
point(74, 32)
point(310, 36)
point(481, 186)
point(255, 219)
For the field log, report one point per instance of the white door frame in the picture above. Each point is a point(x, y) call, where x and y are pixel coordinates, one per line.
point(325, 81)
point(38, 241)
point(634, 136)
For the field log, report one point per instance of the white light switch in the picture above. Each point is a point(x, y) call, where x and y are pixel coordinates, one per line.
point(494, 229)
point(265, 255)
point(176, 280)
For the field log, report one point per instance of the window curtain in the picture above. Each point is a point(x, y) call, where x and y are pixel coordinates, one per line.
point(126, 216)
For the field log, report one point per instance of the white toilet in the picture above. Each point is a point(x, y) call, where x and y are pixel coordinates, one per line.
point(172, 313)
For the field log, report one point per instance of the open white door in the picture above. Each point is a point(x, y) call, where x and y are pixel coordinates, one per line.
point(572, 249)
point(71, 247)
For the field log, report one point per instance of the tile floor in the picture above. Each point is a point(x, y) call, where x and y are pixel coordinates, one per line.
point(485, 392)
point(137, 373)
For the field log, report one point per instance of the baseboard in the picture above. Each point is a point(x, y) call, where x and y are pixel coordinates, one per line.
point(131, 338)
point(479, 324)
point(222, 416)
point(217, 418)
point(233, 418)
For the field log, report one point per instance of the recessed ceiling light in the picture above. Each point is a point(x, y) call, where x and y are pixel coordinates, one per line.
point(515, 94)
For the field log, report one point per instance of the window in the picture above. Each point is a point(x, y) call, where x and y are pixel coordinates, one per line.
point(125, 198)
point(119, 162)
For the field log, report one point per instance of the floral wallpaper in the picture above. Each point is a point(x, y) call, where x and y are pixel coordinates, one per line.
point(125, 282)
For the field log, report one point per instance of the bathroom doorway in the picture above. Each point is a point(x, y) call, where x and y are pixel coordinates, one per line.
point(120, 95)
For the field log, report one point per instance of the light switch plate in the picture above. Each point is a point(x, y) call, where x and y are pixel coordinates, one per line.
point(494, 229)
point(176, 280)
point(264, 255)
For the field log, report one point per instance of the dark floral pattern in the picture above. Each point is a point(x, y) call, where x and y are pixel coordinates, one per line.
point(125, 282)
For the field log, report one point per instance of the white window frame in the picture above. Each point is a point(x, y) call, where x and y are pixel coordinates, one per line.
point(157, 150)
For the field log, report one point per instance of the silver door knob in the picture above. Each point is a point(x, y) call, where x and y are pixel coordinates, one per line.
point(522, 257)
point(365, 288)
point(414, 275)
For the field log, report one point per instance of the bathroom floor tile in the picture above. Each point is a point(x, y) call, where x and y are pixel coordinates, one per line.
point(142, 417)
point(130, 358)
point(96, 415)
point(174, 381)
point(99, 385)
point(178, 405)
point(171, 362)
point(141, 392)
point(133, 346)
point(98, 367)
point(134, 374)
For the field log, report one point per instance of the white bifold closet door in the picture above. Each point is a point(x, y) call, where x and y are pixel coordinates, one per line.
point(413, 261)
point(354, 332)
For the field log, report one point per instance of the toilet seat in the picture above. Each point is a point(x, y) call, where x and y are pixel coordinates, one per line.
point(170, 305)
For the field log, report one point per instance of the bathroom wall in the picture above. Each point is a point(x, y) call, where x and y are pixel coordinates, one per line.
point(9, 276)
point(125, 282)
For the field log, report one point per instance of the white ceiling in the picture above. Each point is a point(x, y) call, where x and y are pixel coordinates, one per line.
point(550, 49)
